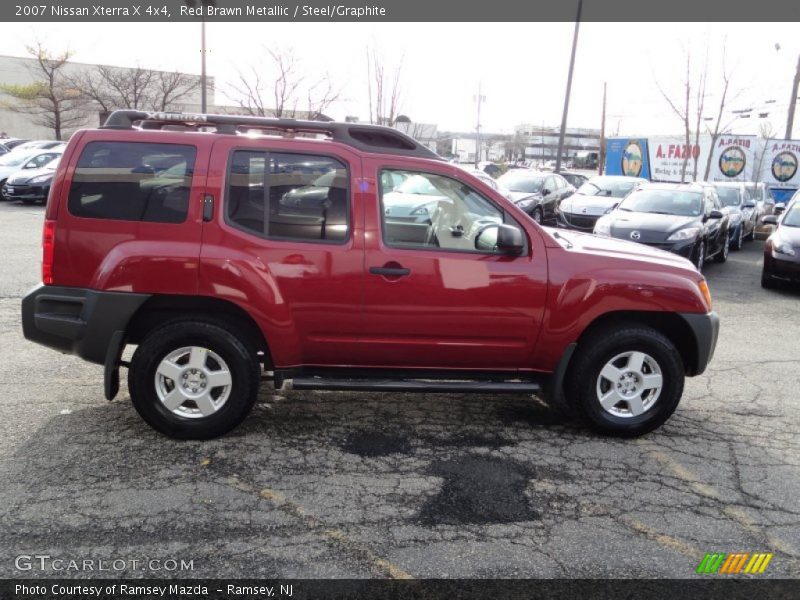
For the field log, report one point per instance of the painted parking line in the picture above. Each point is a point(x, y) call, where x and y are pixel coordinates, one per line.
point(735, 513)
point(336, 536)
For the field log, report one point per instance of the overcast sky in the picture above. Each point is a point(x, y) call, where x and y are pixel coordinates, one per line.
point(522, 66)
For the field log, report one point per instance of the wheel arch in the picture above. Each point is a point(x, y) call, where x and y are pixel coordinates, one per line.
point(160, 309)
point(671, 325)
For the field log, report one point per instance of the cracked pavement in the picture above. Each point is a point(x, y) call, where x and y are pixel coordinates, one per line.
point(323, 484)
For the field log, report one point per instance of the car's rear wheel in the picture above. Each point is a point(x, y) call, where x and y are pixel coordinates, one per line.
point(194, 379)
point(626, 381)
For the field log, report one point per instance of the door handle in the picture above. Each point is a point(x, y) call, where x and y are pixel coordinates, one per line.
point(390, 271)
point(208, 207)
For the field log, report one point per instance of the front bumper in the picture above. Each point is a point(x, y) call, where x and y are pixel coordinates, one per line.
point(705, 330)
point(786, 268)
point(30, 193)
point(577, 222)
point(77, 320)
point(684, 248)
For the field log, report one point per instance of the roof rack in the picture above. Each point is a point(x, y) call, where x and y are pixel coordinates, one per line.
point(367, 138)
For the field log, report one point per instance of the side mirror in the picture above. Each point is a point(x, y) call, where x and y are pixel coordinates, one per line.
point(769, 220)
point(503, 239)
point(779, 208)
point(715, 214)
point(545, 192)
point(749, 204)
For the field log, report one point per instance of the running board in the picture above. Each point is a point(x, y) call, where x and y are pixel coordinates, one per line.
point(413, 385)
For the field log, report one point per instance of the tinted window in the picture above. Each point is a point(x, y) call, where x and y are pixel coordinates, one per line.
point(133, 181)
point(529, 184)
point(447, 214)
point(666, 202)
point(289, 196)
point(728, 196)
point(600, 186)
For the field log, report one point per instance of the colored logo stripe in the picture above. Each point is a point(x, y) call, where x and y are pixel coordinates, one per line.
point(732, 564)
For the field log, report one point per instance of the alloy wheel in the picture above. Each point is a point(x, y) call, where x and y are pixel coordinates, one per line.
point(629, 384)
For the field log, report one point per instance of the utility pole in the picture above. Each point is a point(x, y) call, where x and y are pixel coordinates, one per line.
point(793, 101)
point(602, 162)
point(569, 88)
point(203, 4)
point(480, 98)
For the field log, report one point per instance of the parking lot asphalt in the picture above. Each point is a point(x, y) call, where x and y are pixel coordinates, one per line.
point(398, 485)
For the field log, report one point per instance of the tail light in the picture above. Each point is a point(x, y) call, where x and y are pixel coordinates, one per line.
point(48, 248)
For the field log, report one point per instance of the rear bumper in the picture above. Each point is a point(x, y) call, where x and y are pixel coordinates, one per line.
point(705, 328)
point(76, 320)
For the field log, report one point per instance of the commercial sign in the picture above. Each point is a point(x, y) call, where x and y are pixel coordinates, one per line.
point(779, 164)
point(627, 156)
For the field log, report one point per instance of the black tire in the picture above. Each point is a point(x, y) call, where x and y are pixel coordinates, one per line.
point(536, 215)
point(700, 256)
point(220, 338)
point(722, 255)
point(739, 241)
point(581, 386)
point(768, 282)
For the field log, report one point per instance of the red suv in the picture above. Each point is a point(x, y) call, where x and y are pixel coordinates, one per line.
point(342, 256)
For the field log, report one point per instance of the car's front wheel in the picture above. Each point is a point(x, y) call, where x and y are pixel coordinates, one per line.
point(537, 215)
point(626, 380)
point(738, 239)
point(700, 255)
point(192, 379)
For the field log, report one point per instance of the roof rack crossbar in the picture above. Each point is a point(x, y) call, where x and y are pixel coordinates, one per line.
point(368, 138)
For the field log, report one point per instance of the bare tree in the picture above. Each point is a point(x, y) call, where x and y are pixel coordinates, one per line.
point(683, 110)
point(168, 88)
point(766, 132)
point(277, 91)
point(726, 96)
point(51, 101)
point(383, 90)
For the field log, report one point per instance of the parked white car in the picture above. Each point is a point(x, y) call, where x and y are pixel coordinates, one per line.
point(17, 161)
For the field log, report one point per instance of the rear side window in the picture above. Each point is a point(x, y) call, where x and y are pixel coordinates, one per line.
point(133, 181)
point(289, 196)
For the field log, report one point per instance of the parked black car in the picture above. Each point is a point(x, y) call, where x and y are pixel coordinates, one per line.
point(741, 210)
point(782, 248)
point(535, 192)
point(30, 185)
point(593, 199)
point(576, 180)
point(685, 219)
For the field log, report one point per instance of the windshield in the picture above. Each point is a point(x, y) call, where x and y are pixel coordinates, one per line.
point(606, 187)
point(728, 196)
point(792, 218)
point(528, 184)
point(14, 159)
point(664, 202)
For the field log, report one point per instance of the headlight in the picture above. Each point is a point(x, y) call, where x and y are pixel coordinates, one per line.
point(525, 202)
point(684, 234)
point(421, 210)
point(41, 179)
point(783, 248)
point(602, 226)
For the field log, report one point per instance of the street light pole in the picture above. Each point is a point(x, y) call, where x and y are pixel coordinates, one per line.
point(203, 92)
point(569, 88)
point(793, 101)
point(480, 98)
